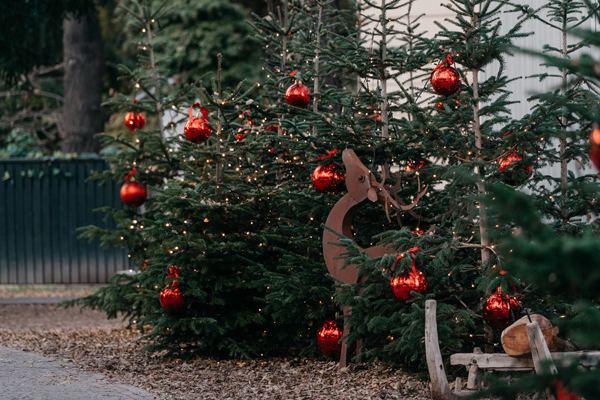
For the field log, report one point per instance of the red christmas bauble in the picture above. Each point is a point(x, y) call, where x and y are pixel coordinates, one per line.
point(403, 284)
point(197, 130)
point(563, 394)
point(411, 166)
point(134, 194)
point(328, 339)
point(595, 147)
point(440, 106)
point(130, 120)
point(501, 310)
point(513, 175)
point(171, 298)
point(445, 80)
point(328, 178)
point(297, 95)
point(140, 120)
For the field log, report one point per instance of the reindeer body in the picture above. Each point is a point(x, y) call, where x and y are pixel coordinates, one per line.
point(358, 182)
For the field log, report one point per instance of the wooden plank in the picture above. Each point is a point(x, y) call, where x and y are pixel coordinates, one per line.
point(4, 224)
point(19, 227)
point(46, 225)
point(506, 362)
point(11, 222)
point(28, 221)
point(82, 205)
point(73, 250)
point(474, 372)
point(491, 361)
point(440, 390)
point(37, 212)
point(539, 350)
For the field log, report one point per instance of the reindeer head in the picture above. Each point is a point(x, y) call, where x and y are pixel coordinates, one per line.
point(357, 176)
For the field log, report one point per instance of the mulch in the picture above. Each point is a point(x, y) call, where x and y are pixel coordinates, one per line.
point(95, 344)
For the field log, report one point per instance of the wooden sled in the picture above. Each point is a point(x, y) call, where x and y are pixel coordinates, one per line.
point(478, 362)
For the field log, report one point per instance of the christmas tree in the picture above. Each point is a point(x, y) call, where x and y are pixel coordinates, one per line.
point(230, 242)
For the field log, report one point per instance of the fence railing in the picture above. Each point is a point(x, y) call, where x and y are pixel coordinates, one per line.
point(42, 203)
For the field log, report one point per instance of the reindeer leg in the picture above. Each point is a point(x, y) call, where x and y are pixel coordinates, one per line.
point(344, 353)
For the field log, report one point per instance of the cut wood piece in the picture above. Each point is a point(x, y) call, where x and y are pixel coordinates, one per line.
point(440, 389)
point(515, 342)
point(474, 371)
point(504, 362)
point(514, 338)
point(496, 361)
point(542, 359)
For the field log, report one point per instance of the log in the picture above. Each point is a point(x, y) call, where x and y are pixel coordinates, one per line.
point(516, 343)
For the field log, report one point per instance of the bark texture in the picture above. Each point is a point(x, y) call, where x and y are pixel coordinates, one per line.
point(83, 57)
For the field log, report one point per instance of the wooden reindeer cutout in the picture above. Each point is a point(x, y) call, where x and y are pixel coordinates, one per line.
point(362, 186)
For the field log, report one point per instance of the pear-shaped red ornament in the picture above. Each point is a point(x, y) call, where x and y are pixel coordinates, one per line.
point(501, 310)
point(445, 79)
point(197, 129)
point(133, 193)
point(328, 178)
point(328, 339)
point(297, 95)
point(171, 298)
point(595, 147)
point(403, 284)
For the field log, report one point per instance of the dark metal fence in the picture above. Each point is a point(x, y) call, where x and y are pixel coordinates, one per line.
point(42, 203)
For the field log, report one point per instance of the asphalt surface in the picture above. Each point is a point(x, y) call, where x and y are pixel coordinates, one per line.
point(26, 376)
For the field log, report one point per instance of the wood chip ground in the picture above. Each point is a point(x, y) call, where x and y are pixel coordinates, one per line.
point(95, 344)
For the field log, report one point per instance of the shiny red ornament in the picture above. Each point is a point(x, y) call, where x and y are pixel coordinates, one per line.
point(197, 129)
point(134, 119)
point(246, 127)
point(563, 394)
point(297, 95)
point(440, 106)
point(595, 147)
point(411, 166)
point(501, 310)
point(171, 298)
point(445, 79)
point(414, 281)
point(513, 175)
point(129, 120)
point(140, 120)
point(328, 339)
point(134, 193)
point(328, 178)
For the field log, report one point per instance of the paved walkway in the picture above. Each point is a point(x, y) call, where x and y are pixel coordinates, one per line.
point(36, 300)
point(25, 376)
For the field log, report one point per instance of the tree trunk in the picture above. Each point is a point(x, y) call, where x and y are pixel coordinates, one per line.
point(83, 58)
